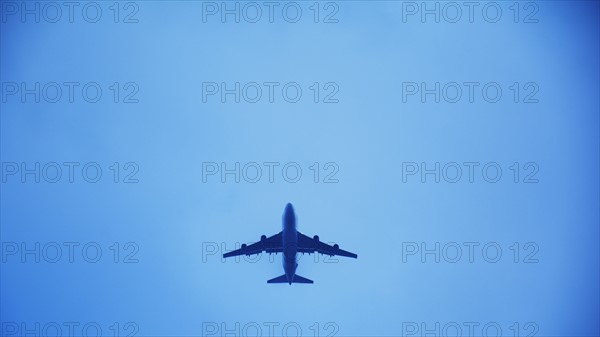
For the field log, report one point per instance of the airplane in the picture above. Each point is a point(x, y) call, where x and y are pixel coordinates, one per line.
point(294, 242)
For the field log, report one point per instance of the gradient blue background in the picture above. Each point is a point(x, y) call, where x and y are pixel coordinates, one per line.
point(170, 213)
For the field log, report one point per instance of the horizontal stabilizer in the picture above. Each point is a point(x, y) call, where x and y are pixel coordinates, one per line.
point(283, 279)
point(280, 279)
point(300, 279)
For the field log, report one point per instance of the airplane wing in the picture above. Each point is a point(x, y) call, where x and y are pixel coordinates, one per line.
point(266, 244)
point(311, 245)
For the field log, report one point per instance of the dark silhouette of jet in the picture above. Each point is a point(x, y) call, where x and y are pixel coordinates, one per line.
point(289, 242)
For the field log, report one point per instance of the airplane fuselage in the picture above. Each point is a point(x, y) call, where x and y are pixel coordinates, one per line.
point(290, 242)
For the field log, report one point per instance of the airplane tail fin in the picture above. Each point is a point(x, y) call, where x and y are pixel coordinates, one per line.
point(283, 279)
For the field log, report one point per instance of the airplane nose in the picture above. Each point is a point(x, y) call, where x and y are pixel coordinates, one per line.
point(289, 209)
point(289, 215)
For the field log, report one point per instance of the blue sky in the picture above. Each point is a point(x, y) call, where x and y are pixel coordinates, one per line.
point(176, 286)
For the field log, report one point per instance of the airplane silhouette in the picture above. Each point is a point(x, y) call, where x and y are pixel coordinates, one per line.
point(289, 242)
